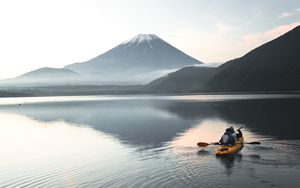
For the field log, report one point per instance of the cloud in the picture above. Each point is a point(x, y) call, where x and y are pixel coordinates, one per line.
point(281, 30)
point(285, 15)
point(255, 39)
point(289, 14)
point(218, 45)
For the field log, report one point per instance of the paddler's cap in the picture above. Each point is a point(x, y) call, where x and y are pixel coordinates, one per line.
point(230, 129)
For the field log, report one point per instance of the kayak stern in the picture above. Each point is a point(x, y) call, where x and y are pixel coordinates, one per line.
point(227, 150)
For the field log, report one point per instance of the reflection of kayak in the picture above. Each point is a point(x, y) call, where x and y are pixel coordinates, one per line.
point(225, 150)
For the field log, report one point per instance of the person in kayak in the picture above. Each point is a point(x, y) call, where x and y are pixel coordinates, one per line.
point(230, 136)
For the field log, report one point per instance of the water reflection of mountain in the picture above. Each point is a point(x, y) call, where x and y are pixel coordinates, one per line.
point(274, 117)
point(135, 122)
point(150, 123)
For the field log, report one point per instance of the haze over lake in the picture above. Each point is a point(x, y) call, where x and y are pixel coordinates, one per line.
point(147, 141)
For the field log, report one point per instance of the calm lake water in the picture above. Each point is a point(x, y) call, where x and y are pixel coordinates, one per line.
point(148, 141)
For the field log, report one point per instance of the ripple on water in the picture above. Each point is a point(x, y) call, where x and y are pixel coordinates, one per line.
point(187, 167)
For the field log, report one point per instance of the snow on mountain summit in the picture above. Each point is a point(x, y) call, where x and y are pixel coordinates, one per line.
point(141, 38)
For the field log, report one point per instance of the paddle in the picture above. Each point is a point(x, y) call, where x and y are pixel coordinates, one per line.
point(257, 143)
point(204, 144)
point(239, 128)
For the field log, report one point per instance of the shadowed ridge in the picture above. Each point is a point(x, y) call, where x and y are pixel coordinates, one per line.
point(274, 66)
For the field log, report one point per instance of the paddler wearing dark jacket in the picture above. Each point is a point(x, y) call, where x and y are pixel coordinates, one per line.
point(230, 136)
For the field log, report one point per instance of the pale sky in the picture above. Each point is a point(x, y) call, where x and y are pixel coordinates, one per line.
point(54, 33)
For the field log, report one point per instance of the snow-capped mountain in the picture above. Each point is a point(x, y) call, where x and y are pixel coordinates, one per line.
point(139, 60)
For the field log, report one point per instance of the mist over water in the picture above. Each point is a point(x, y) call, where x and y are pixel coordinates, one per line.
point(147, 141)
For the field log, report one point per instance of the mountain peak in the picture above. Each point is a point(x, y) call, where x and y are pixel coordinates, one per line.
point(141, 38)
point(138, 60)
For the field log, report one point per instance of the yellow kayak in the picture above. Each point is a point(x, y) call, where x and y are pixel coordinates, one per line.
point(226, 150)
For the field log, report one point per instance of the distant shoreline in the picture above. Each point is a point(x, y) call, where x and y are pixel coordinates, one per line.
point(110, 90)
